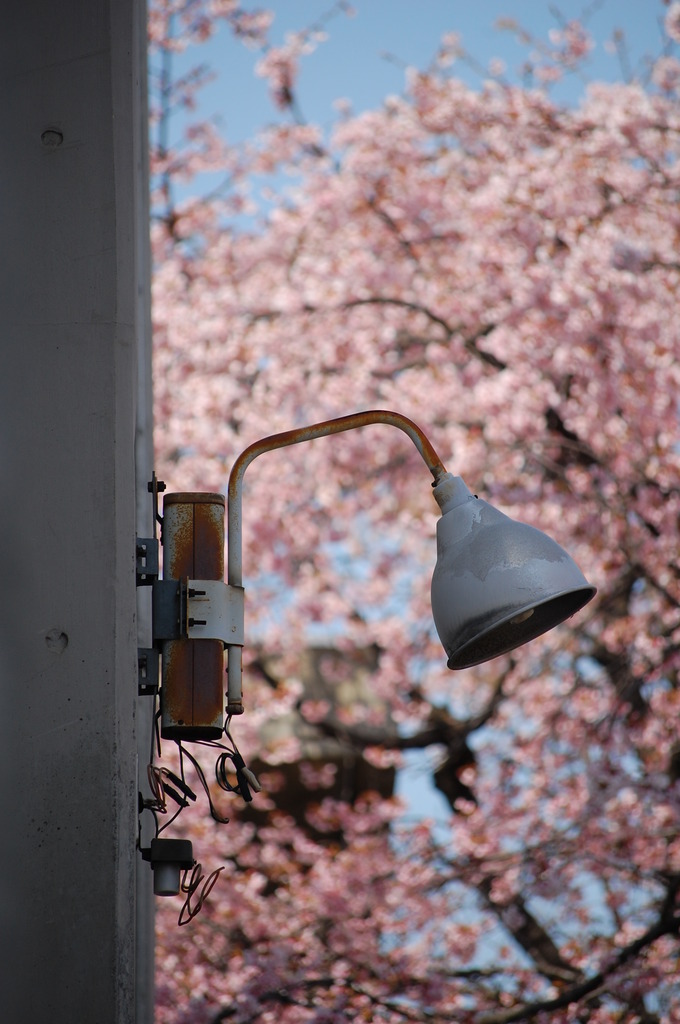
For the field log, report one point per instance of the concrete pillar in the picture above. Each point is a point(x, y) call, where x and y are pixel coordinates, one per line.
point(74, 347)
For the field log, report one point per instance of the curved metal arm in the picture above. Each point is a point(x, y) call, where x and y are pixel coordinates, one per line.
point(289, 437)
point(282, 440)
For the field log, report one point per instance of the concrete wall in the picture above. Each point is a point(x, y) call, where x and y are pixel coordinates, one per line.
point(73, 338)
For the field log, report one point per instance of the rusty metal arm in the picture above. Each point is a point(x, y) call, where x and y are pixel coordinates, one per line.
point(282, 440)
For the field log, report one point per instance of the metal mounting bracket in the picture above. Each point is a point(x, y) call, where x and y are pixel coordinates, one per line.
point(148, 663)
point(198, 610)
point(215, 611)
point(147, 568)
point(147, 564)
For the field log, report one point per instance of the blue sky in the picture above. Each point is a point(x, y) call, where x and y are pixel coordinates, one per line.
point(364, 56)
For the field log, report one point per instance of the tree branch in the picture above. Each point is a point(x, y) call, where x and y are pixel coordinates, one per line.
point(531, 936)
point(469, 342)
point(386, 300)
point(667, 923)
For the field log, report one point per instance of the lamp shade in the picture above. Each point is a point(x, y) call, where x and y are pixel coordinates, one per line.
point(497, 583)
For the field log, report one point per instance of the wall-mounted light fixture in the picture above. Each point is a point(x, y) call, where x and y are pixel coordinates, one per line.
point(497, 583)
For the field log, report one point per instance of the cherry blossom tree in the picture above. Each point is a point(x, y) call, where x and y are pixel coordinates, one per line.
point(505, 271)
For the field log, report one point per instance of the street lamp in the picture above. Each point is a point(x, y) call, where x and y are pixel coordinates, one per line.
point(497, 583)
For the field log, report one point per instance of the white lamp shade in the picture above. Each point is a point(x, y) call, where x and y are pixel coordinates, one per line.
point(497, 583)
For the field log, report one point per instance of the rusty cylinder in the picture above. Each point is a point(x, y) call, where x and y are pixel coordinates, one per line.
point(193, 682)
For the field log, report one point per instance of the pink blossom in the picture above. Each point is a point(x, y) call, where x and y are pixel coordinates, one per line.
point(505, 271)
point(666, 71)
point(672, 22)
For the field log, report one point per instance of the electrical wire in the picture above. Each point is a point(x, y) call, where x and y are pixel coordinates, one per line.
point(190, 887)
point(214, 813)
point(164, 783)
